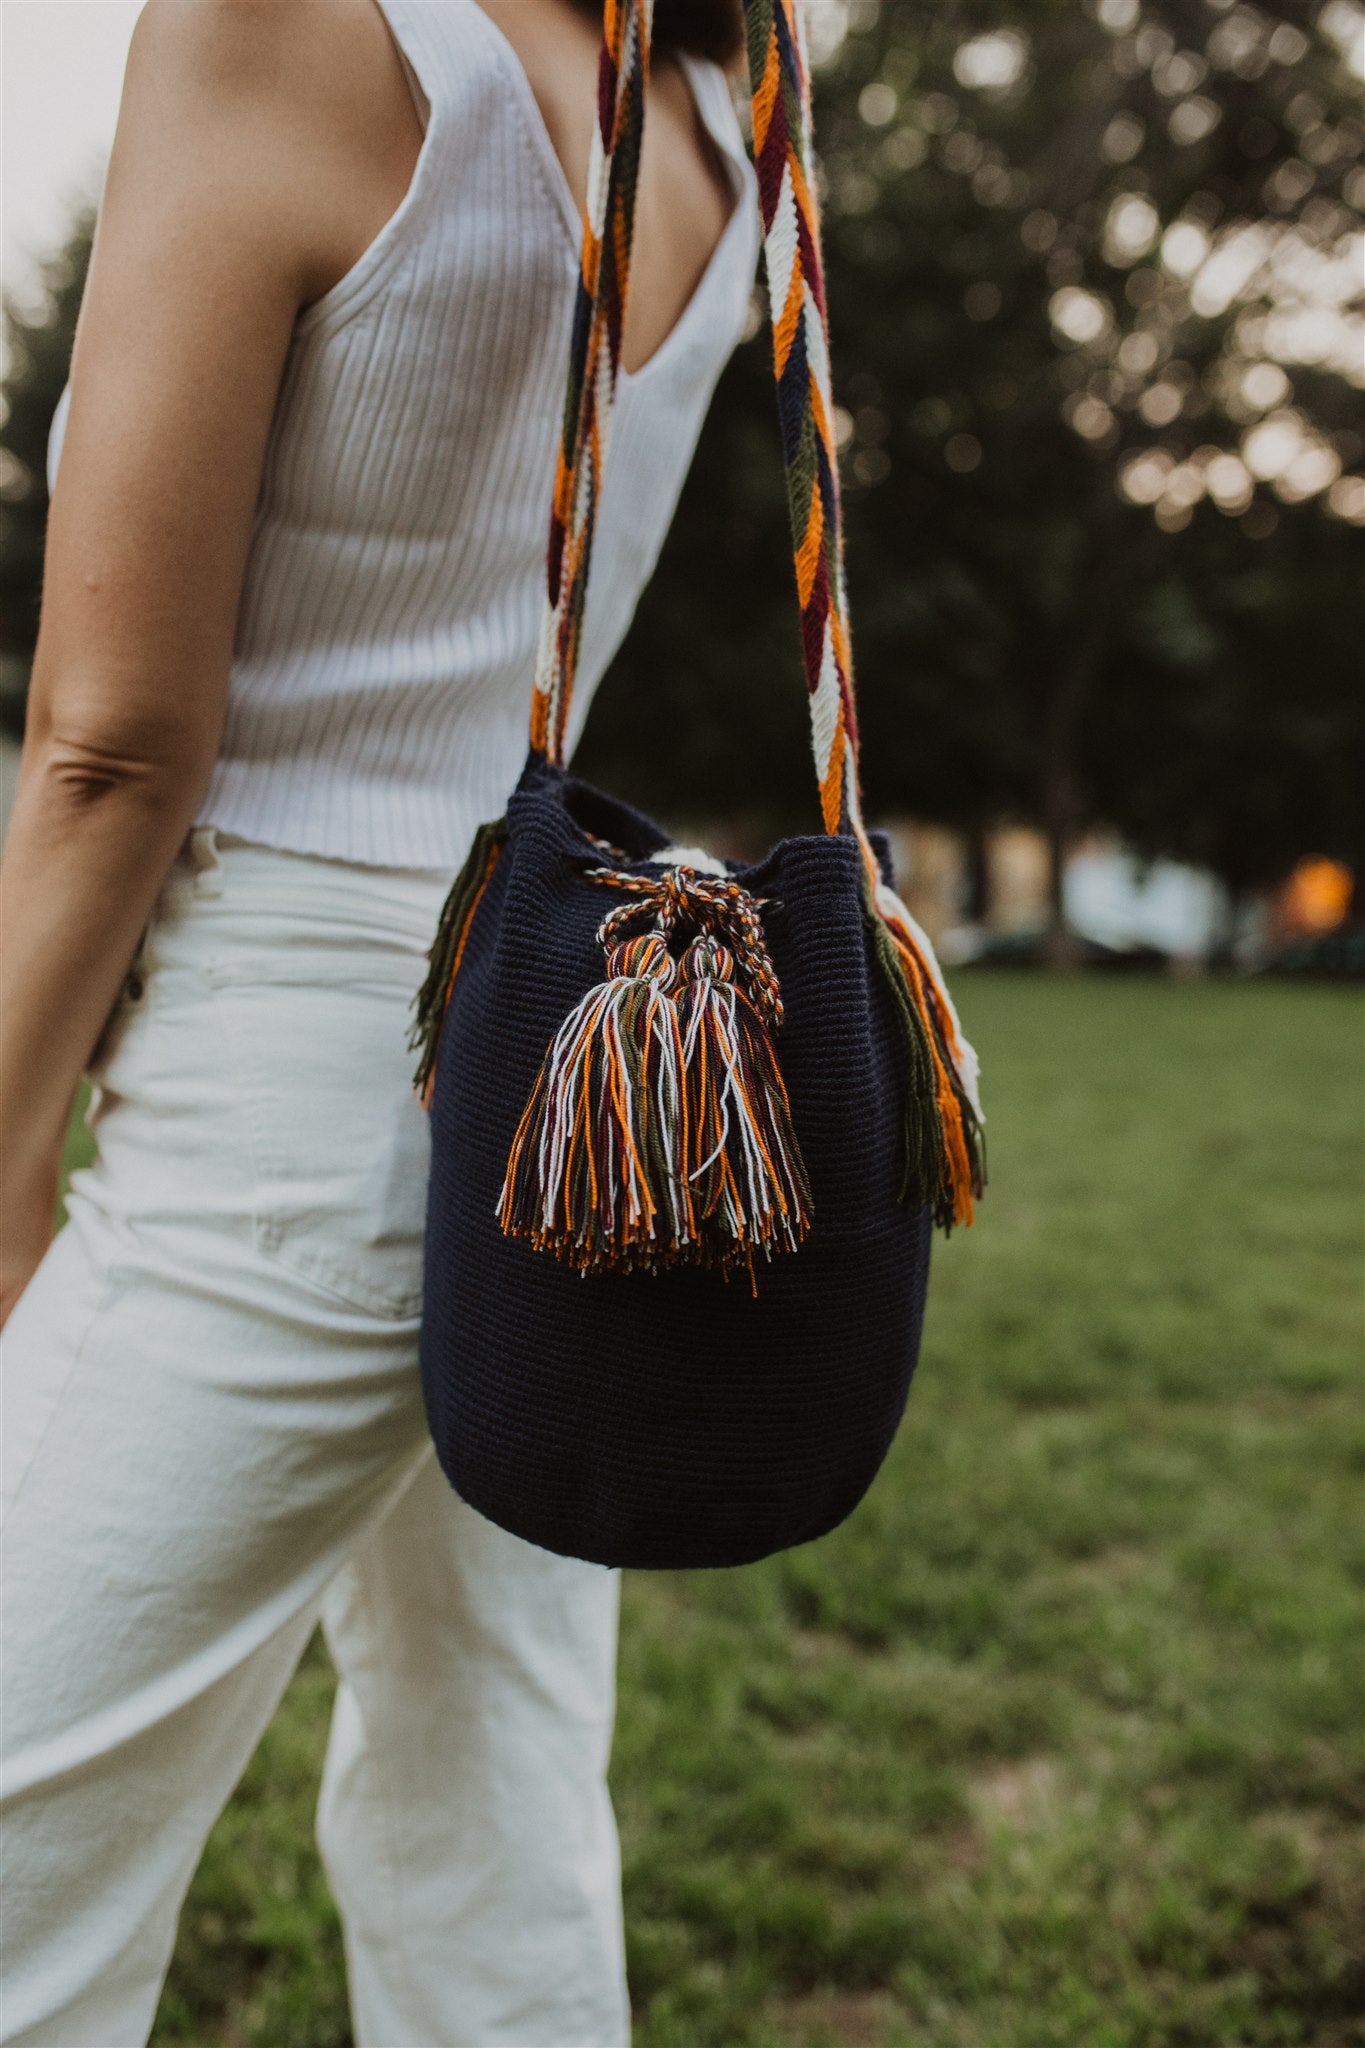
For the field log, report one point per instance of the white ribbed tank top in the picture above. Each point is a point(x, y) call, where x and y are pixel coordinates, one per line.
point(380, 687)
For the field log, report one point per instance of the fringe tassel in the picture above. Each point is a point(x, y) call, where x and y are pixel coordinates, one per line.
point(945, 1161)
point(745, 1164)
point(597, 1169)
point(659, 1130)
point(447, 950)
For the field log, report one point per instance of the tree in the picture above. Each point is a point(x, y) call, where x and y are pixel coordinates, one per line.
point(1094, 286)
point(39, 349)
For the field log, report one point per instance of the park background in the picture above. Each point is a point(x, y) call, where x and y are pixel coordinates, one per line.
point(1058, 1739)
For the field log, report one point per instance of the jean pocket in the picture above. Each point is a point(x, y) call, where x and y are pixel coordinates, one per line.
point(339, 1142)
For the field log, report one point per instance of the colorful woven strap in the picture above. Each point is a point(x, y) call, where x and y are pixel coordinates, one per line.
point(594, 359)
point(944, 1076)
point(779, 79)
point(780, 82)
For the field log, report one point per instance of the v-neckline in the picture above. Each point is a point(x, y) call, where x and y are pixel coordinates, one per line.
point(561, 193)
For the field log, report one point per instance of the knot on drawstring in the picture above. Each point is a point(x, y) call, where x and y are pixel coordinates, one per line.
point(644, 958)
point(682, 901)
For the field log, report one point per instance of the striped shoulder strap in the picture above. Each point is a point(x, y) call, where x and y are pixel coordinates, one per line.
point(781, 119)
point(943, 1066)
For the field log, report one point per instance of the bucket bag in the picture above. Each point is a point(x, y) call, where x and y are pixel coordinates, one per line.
point(692, 1121)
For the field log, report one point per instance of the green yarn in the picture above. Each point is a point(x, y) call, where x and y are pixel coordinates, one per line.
point(429, 1003)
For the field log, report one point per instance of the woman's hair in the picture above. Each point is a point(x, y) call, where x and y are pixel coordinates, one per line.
point(703, 28)
point(700, 28)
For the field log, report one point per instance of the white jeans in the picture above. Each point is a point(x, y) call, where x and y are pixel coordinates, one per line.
point(213, 1435)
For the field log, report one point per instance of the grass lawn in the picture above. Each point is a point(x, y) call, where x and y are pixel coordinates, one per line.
point(1058, 1739)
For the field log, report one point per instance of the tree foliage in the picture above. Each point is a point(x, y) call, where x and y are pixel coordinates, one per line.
point(39, 352)
point(1088, 272)
point(1095, 280)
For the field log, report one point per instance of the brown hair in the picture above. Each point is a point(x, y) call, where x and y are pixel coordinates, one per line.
point(703, 28)
point(699, 28)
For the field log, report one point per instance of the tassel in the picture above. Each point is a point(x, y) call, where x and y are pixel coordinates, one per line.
point(745, 1166)
point(596, 1172)
point(945, 1164)
point(447, 951)
point(658, 1131)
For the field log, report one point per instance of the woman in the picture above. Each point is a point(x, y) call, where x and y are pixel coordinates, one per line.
point(293, 582)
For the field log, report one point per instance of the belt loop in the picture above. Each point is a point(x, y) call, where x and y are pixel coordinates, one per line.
point(205, 864)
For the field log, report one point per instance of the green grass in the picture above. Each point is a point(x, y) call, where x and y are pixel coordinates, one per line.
point(1058, 1740)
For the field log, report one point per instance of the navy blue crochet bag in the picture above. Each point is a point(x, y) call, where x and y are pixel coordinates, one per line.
point(692, 1121)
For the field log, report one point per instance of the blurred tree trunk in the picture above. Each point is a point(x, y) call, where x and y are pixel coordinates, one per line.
point(1067, 698)
point(1061, 948)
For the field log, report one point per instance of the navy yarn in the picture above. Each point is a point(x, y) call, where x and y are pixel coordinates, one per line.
point(667, 1419)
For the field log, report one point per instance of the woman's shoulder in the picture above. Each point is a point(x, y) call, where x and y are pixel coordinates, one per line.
point(303, 110)
point(262, 50)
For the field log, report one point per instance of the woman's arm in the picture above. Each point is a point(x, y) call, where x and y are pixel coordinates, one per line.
point(260, 146)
